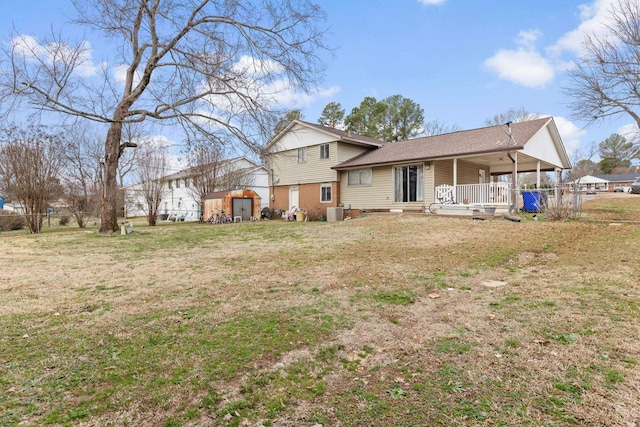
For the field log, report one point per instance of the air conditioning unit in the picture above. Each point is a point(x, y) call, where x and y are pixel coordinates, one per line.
point(334, 214)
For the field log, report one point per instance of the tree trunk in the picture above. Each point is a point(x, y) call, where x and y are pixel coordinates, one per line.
point(109, 206)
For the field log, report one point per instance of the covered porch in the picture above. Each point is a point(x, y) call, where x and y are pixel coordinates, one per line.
point(494, 192)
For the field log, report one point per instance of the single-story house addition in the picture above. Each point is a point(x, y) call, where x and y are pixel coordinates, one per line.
point(316, 167)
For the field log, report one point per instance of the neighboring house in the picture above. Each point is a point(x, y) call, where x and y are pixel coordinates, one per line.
point(315, 167)
point(605, 182)
point(180, 200)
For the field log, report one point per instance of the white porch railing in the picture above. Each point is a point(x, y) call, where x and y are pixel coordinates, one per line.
point(493, 193)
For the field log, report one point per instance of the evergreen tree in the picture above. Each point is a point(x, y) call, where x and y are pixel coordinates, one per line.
point(332, 115)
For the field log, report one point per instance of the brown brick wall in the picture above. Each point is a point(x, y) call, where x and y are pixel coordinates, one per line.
point(308, 197)
point(280, 199)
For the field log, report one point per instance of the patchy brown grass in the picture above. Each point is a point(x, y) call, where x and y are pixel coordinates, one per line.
point(382, 320)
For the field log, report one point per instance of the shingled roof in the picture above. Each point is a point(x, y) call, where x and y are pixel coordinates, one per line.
point(347, 135)
point(338, 134)
point(463, 143)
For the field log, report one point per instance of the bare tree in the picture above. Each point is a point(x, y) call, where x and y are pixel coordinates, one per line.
point(131, 133)
point(152, 166)
point(511, 115)
point(31, 163)
point(605, 79)
point(438, 127)
point(81, 179)
point(582, 163)
point(214, 67)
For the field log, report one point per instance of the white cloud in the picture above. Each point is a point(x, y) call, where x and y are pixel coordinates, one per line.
point(570, 133)
point(527, 66)
point(120, 74)
point(432, 2)
point(524, 65)
point(253, 68)
point(630, 132)
point(284, 96)
point(594, 18)
point(51, 53)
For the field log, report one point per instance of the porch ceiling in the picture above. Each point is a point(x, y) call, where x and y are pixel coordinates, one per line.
point(500, 163)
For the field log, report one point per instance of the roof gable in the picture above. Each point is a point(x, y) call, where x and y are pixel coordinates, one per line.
point(300, 134)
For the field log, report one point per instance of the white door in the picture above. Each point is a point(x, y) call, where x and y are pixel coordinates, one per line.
point(293, 196)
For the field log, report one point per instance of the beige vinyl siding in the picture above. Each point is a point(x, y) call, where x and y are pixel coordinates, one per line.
point(467, 172)
point(443, 170)
point(379, 195)
point(349, 151)
point(287, 169)
point(429, 191)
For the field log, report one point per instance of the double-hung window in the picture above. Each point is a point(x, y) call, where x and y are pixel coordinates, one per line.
point(302, 155)
point(408, 183)
point(359, 177)
point(324, 151)
point(325, 193)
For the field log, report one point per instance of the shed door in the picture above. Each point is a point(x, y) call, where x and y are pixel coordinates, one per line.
point(242, 208)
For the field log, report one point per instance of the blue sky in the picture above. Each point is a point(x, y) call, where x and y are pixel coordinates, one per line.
point(463, 61)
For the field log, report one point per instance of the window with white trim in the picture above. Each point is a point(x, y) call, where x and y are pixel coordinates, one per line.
point(178, 183)
point(359, 177)
point(324, 151)
point(408, 183)
point(325, 193)
point(302, 155)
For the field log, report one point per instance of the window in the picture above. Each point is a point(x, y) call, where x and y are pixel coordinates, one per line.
point(408, 183)
point(325, 193)
point(359, 177)
point(170, 184)
point(302, 155)
point(178, 183)
point(324, 151)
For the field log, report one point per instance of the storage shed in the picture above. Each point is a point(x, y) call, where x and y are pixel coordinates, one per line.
point(238, 204)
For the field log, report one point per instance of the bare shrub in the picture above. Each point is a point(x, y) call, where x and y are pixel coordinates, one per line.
point(559, 205)
point(64, 220)
point(10, 221)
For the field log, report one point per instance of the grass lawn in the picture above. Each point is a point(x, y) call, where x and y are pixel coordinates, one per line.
point(399, 320)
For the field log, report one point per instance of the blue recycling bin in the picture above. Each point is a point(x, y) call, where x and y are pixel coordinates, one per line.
point(1, 203)
point(531, 201)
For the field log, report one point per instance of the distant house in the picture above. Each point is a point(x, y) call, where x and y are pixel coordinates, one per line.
point(605, 182)
point(180, 199)
point(316, 167)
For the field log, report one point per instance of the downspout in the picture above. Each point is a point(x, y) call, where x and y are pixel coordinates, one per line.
point(273, 189)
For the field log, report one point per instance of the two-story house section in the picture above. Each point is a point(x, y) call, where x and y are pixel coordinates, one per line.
point(300, 161)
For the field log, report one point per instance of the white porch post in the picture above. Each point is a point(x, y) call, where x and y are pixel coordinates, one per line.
point(514, 184)
point(455, 178)
point(538, 175)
